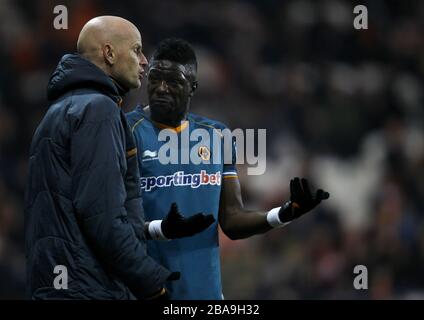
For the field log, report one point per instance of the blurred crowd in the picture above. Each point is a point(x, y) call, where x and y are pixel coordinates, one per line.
point(341, 106)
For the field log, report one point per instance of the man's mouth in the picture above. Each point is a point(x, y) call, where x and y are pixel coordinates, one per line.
point(162, 100)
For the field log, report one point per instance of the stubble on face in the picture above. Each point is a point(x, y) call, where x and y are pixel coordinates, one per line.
point(130, 62)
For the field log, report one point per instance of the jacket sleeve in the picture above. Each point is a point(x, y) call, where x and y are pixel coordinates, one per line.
point(133, 204)
point(98, 165)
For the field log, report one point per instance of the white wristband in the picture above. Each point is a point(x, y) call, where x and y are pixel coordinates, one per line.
point(155, 230)
point(274, 220)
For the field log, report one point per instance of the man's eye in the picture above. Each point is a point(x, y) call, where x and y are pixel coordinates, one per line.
point(173, 83)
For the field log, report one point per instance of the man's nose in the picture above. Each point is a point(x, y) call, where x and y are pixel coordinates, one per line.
point(143, 61)
point(163, 87)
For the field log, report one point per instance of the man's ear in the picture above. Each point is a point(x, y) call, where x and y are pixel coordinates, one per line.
point(194, 85)
point(109, 54)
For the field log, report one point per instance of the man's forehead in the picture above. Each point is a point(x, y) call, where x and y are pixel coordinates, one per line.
point(130, 35)
point(167, 65)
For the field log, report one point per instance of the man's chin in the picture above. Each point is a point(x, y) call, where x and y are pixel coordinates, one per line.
point(162, 106)
point(132, 83)
point(165, 113)
point(135, 84)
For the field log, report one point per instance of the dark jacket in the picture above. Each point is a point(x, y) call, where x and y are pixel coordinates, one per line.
point(83, 206)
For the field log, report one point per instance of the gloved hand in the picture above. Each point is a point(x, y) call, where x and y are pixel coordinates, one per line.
point(176, 226)
point(301, 200)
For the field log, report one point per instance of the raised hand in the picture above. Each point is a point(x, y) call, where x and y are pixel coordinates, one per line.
point(301, 200)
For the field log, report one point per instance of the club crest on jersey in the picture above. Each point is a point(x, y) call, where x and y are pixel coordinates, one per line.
point(204, 153)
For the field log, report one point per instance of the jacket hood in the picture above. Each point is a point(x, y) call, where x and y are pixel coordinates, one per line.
point(73, 72)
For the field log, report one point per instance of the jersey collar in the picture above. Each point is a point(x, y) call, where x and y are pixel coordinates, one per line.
point(181, 127)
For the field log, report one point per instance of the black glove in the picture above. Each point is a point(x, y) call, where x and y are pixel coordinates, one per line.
point(176, 226)
point(301, 200)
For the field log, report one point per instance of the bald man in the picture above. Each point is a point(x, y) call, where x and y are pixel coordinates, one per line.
point(83, 213)
point(114, 45)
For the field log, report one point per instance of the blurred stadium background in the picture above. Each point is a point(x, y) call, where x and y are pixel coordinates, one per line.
point(341, 106)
